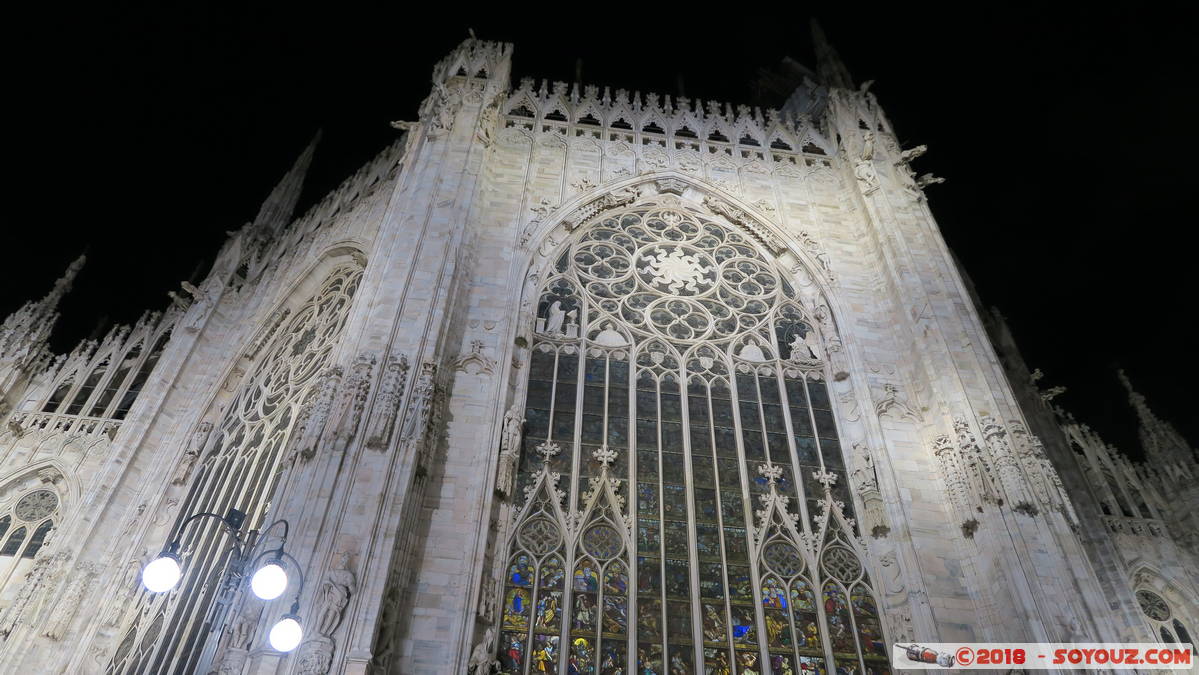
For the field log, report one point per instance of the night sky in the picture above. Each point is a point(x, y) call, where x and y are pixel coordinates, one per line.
point(1068, 141)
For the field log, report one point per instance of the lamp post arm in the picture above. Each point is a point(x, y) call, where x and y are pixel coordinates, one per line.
point(233, 532)
point(299, 570)
point(203, 514)
point(281, 521)
point(268, 528)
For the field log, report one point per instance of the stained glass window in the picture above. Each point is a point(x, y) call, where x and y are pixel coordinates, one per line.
point(680, 451)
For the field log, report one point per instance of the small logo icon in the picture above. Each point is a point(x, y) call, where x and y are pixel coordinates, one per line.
point(925, 655)
point(965, 656)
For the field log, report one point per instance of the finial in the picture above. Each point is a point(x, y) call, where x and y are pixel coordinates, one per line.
point(1136, 398)
point(63, 285)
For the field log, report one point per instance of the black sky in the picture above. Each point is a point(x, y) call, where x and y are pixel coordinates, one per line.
point(143, 133)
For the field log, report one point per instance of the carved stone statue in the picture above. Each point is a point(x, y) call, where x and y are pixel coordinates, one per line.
point(481, 656)
point(335, 593)
point(864, 167)
point(555, 318)
point(608, 337)
point(509, 450)
point(198, 439)
point(806, 348)
point(420, 402)
point(929, 179)
point(203, 300)
point(237, 648)
point(316, 656)
point(751, 351)
point(892, 403)
point(126, 587)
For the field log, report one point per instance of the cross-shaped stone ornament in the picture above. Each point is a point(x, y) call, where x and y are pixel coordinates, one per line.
point(604, 455)
point(547, 450)
point(826, 478)
point(771, 472)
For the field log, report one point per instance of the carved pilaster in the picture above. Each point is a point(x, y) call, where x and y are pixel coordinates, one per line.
point(955, 475)
point(1010, 476)
point(864, 481)
point(977, 465)
point(315, 414)
point(64, 608)
point(391, 389)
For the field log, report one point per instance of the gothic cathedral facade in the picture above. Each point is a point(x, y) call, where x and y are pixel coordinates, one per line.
point(576, 380)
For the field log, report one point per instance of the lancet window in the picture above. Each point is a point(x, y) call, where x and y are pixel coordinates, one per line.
point(108, 384)
point(680, 504)
point(242, 460)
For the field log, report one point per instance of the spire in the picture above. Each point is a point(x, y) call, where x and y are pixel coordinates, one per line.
point(831, 69)
point(276, 211)
point(1159, 438)
point(23, 333)
point(63, 285)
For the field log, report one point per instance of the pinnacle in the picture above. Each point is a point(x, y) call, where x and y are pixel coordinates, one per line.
point(63, 285)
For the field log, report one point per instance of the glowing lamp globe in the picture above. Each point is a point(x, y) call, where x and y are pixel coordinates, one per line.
point(286, 634)
point(161, 574)
point(269, 582)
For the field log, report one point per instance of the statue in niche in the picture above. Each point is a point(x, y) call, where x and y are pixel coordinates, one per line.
point(509, 450)
point(806, 348)
point(864, 167)
point(572, 323)
point(555, 318)
point(751, 351)
point(608, 337)
point(335, 595)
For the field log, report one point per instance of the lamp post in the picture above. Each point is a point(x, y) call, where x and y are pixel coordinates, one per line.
point(268, 581)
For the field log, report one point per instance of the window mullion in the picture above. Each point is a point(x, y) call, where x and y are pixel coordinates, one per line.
point(692, 538)
point(796, 477)
point(724, 562)
point(631, 471)
point(748, 508)
point(664, 639)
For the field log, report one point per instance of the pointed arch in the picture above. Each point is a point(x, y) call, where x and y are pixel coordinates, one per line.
point(34, 500)
point(678, 337)
point(244, 458)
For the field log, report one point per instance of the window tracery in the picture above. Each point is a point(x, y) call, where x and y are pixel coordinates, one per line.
point(1164, 620)
point(242, 460)
point(117, 372)
point(27, 521)
point(679, 466)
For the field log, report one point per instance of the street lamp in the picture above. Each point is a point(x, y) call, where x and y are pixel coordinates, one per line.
point(268, 582)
